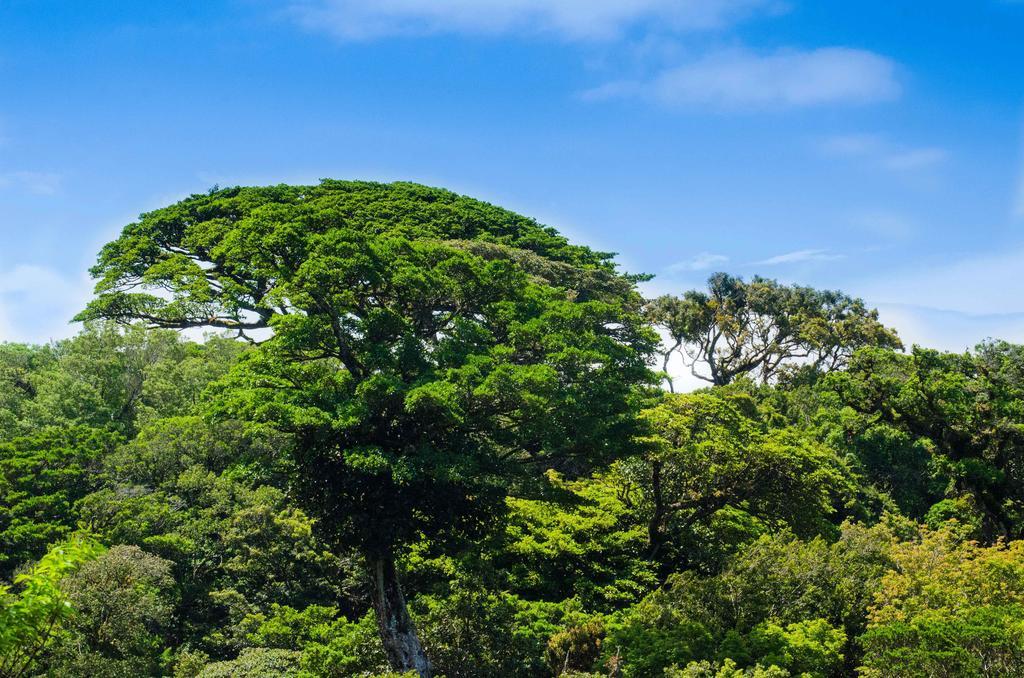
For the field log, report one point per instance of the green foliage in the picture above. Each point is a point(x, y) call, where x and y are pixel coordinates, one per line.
point(420, 339)
point(167, 447)
point(233, 546)
point(19, 365)
point(584, 543)
point(425, 349)
point(779, 600)
point(654, 634)
point(123, 604)
point(810, 647)
point(476, 634)
point(442, 393)
point(468, 633)
point(713, 456)
point(950, 607)
point(980, 641)
point(108, 379)
point(576, 649)
point(963, 411)
point(215, 571)
point(900, 464)
point(255, 662)
point(33, 614)
point(725, 669)
point(961, 511)
point(327, 644)
point(349, 649)
point(42, 476)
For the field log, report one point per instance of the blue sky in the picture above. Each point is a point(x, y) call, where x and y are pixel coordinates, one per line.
point(874, 147)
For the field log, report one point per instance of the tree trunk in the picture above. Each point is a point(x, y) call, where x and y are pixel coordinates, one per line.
point(397, 632)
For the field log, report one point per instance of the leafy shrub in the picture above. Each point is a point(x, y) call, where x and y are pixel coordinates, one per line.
point(575, 649)
point(123, 604)
point(255, 662)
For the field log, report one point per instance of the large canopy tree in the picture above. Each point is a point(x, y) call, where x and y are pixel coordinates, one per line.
point(428, 351)
point(712, 455)
point(760, 327)
point(955, 419)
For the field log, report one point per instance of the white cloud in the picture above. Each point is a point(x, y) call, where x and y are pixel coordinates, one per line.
point(567, 19)
point(36, 183)
point(37, 303)
point(879, 151)
point(982, 284)
point(950, 330)
point(799, 256)
point(786, 79)
point(702, 262)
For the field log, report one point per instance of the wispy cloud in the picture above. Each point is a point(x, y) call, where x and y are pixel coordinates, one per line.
point(980, 284)
point(800, 256)
point(916, 158)
point(949, 330)
point(852, 144)
point(741, 79)
point(37, 303)
point(566, 19)
point(36, 183)
point(877, 150)
point(883, 223)
point(702, 262)
point(1018, 206)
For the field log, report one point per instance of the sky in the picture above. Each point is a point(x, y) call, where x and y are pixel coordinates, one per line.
point(875, 147)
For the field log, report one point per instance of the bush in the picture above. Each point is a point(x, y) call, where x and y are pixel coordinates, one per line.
point(255, 662)
point(575, 649)
point(725, 669)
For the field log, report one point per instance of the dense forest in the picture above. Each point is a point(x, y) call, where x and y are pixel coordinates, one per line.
point(409, 432)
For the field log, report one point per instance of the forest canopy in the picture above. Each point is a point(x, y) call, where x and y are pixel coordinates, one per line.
point(424, 435)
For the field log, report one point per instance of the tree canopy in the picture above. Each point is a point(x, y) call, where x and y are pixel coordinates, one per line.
point(761, 327)
point(425, 437)
point(421, 347)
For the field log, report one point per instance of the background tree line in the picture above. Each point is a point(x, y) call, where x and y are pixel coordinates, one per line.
point(430, 438)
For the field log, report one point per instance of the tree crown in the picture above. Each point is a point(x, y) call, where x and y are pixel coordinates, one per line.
point(419, 340)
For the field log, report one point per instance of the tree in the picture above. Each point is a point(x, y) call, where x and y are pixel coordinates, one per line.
point(760, 327)
point(584, 542)
point(42, 477)
point(122, 602)
point(19, 364)
point(709, 453)
point(725, 669)
point(961, 418)
point(237, 545)
point(425, 349)
point(778, 601)
point(948, 608)
point(106, 378)
point(255, 662)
